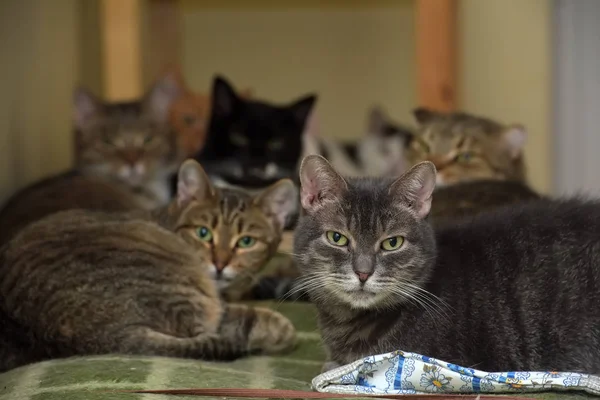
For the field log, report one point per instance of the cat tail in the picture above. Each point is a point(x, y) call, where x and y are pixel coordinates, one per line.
point(279, 288)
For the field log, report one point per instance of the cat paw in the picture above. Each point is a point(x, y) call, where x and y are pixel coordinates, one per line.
point(329, 365)
point(272, 333)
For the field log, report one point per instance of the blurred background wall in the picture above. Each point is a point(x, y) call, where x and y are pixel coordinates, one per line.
point(355, 53)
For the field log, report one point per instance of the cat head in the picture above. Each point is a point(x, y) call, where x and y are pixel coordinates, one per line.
point(364, 242)
point(189, 116)
point(253, 143)
point(387, 142)
point(465, 147)
point(234, 232)
point(131, 142)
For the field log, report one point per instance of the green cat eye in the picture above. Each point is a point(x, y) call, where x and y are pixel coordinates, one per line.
point(393, 243)
point(337, 238)
point(246, 242)
point(239, 140)
point(464, 157)
point(204, 234)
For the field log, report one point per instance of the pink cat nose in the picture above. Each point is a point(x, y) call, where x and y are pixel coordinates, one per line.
point(362, 276)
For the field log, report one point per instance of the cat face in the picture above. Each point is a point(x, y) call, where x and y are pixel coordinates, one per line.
point(253, 143)
point(464, 147)
point(130, 142)
point(234, 232)
point(364, 242)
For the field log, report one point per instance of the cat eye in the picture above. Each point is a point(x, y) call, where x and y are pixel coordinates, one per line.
point(275, 145)
point(107, 140)
point(393, 243)
point(246, 242)
point(337, 239)
point(189, 120)
point(149, 139)
point(464, 157)
point(204, 234)
point(239, 140)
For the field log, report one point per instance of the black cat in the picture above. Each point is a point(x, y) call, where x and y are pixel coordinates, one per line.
point(253, 143)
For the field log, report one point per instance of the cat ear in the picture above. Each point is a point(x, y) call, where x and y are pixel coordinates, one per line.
point(279, 200)
point(415, 188)
point(163, 93)
point(224, 98)
point(320, 183)
point(192, 183)
point(302, 108)
point(425, 115)
point(514, 138)
point(377, 121)
point(85, 106)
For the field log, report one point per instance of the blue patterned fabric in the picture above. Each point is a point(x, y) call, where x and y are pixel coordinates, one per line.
point(409, 373)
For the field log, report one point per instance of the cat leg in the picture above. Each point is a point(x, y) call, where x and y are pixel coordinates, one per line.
point(270, 333)
point(243, 330)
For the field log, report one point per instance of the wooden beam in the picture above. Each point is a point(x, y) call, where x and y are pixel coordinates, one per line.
point(164, 37)
point(436, 54)
point(121, 36)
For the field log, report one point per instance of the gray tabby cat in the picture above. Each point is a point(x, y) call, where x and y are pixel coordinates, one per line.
point(124, 152)
point(83, 282)
point(512, 289)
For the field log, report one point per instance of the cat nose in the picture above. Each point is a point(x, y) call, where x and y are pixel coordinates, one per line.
point(362, 276)
point(131, 157)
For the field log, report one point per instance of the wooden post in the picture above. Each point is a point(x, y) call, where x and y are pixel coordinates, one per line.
point(436, 54)
point(121, 35)
point(164, 37)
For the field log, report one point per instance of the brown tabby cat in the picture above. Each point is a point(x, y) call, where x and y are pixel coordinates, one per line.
point(125, 153)
point(84, 282)
point(131, 143)
point(465, 147)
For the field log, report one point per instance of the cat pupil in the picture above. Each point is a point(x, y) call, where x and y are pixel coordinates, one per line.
point(336, 237)
point(393, 242)
point(189, 120)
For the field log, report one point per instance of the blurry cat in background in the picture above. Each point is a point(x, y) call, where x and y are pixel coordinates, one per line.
point(129, 142)
point(253, 143)
point(189, 115)
point(465, 147)
point(124, 155)
point(381, 152)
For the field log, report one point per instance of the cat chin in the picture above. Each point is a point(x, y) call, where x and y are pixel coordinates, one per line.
point(360, 299)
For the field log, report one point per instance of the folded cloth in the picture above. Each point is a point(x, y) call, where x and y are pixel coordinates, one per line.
point(402, 372)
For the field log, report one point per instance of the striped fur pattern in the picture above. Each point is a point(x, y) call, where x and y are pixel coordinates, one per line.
point(129, 142)
point(514, 289)
point(466, 147)
point(83, 282)
point(67, 191)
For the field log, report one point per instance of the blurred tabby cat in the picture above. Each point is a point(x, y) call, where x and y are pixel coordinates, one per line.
point(252, 143)
point(382, 151)
point(86, 282)
point(125, 153)
point(514, 289)
point(466, 147)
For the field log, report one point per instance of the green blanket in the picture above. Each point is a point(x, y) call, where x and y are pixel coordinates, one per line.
point(89, 378)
